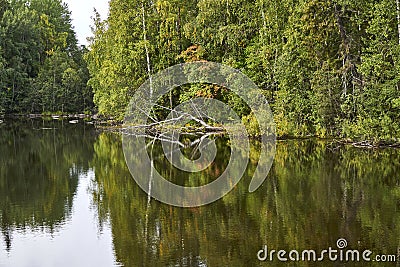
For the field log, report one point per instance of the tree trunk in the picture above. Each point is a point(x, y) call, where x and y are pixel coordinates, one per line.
point(398, 18)
point(147, 50)
point(346, 48)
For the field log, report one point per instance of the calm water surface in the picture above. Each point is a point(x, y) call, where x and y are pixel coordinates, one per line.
point(68, 199)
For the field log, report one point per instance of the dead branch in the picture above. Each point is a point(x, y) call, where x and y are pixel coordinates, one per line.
point(161, 124)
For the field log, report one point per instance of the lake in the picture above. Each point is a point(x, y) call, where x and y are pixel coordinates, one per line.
point(67, 199)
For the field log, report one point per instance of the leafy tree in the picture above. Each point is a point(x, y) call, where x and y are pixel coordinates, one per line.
point(59, 85)
point(380, 70)
point(19, 43)
point(31, 34)
point(328, 68)
point(138, 39)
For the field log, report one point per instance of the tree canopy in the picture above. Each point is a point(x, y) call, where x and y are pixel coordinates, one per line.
point(328, 68)
point(41, 65)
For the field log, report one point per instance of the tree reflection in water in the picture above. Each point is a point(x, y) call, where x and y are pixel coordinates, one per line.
point(315, 193)
point(40, 165)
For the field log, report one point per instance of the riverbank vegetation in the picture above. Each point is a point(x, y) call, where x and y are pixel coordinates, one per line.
point(329, 68)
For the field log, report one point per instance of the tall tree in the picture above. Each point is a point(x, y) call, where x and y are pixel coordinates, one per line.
point(138, 39)
point(34, 33)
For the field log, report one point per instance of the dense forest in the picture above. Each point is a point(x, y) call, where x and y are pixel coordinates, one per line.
point(41, 65)
point(328, 68)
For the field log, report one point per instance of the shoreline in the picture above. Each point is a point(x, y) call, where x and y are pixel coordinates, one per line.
point(115, 126)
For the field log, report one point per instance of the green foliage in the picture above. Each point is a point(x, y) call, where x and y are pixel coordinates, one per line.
point(328, 68)
point(59, 85)
point(322, 65)
point(37, 46)
point(119, 49)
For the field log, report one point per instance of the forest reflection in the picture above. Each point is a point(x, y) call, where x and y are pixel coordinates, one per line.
point(40, 164)
point(315, 193)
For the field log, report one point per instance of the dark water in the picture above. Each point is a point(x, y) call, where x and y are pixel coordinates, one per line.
point(68, 199)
